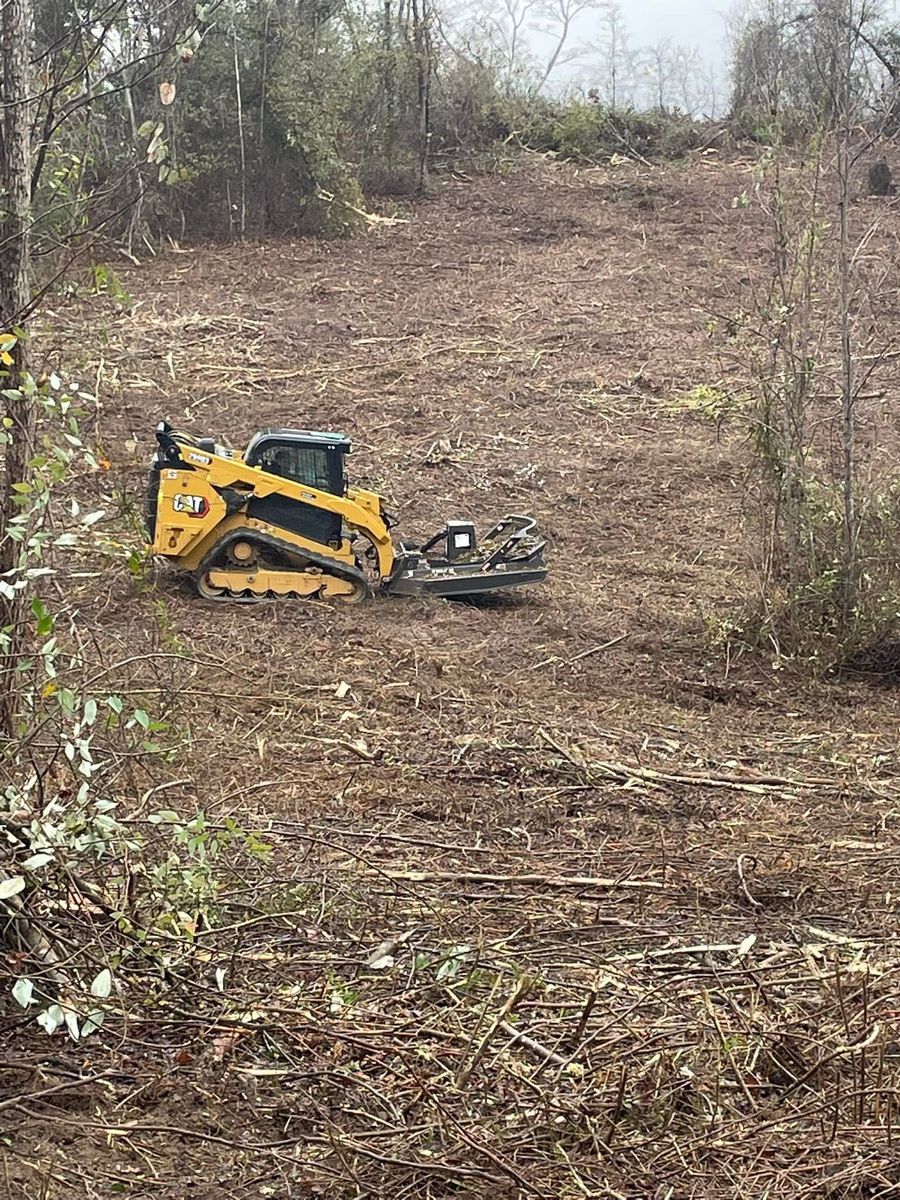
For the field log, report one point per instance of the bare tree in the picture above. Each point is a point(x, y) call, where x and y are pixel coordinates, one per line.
point(513, 29)
point(15, 293)
point(830, 565)
point(782, 47)
point(48, 91)
point(844, 24)
point(420, 12)
point(656, 68)
point(239, 113)
point(760, 67)
point(15, 177)
point(505, 27)
point(615, 55)
point(557, 20)
point(688, 81)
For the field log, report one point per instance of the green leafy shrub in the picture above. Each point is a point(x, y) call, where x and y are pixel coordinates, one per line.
point(591, 133)
point(90, 893)
point(469, 110)
point(805, 620)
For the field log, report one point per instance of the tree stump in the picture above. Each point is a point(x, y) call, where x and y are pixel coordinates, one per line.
point(881, 181)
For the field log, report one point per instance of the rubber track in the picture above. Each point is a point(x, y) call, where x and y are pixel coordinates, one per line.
point(329, 566)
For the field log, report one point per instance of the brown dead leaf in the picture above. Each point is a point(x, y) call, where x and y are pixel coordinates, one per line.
point(224, 1043)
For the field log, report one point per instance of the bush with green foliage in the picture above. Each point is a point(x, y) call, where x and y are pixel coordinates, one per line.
point(95, 894)
point(470, 111)
point(586, 132)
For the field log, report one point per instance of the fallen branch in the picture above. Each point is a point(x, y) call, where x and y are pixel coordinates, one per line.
point(369, 217)
point(27, 1097)
point(751, 862)
point(760, 785)
point(519, 992)
point(554, 660)
point(553, 881)
point(549, 1056)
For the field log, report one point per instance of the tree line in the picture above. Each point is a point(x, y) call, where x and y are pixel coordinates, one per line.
point(225, 118)
point(228, 118)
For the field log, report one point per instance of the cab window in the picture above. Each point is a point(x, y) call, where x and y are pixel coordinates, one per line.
point(302, 464)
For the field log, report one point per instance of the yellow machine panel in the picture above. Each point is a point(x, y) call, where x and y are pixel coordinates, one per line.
point(187, 509)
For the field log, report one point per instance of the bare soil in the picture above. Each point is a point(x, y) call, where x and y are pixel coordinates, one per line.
point(571, 814)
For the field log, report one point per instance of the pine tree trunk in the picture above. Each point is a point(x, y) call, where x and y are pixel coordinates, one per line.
point(422, 44)
point(15, 293)
point(239, 103)
point(849, 565)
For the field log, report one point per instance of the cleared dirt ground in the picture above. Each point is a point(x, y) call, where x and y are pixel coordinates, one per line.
point(675, 876)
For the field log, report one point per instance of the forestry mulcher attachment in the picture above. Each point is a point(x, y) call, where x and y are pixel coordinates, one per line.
point(282, 520)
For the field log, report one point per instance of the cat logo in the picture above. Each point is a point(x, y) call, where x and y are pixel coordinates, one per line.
point(194, 506)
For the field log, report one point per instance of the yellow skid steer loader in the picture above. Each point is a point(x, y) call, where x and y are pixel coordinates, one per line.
point(282, 520)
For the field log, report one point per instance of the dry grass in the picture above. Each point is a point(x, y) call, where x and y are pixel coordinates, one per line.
point(559, 903)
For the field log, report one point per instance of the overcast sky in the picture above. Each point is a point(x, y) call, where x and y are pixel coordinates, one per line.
point(700, 27)
point(689, 22)
point(700, 24)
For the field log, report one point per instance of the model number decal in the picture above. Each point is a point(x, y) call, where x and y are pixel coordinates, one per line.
point(198, 458)
point(194, 506)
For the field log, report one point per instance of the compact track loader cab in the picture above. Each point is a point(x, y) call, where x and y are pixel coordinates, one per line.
point(282, 520)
